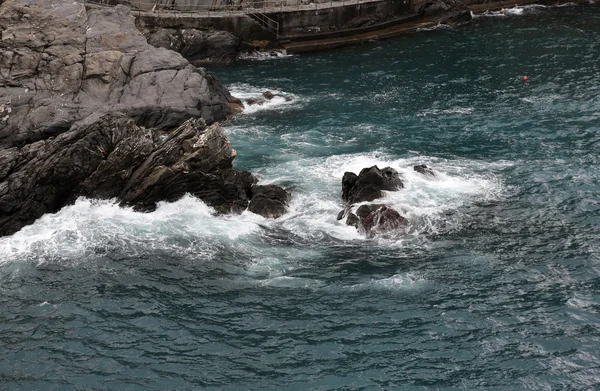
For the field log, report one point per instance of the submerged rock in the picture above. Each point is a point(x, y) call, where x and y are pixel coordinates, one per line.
point(423, 169)
point(90, 109)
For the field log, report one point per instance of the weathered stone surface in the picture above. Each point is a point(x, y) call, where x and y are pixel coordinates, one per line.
point(62, 64)
point(88, 108)
point(111, 157)
point(369, 184)
point(199, 47)
point(269, 201)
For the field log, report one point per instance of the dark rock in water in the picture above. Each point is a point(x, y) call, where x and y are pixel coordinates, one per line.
point(376, 219)
point(348, 182)
point(364, 210)
point(383, 220)
point(369, 184)
point(423, 169)
point(269, 201)
point(268, 95)
point(371, 219)
point(255, 101)
point(199, 47)
point(90, 109)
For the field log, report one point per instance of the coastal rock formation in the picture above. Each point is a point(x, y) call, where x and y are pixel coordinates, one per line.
point(59, 64)
point(89, 108)
point(199, 47)
point(424, 169)
point(269, 201)
point(368, 185)
point(376, 219)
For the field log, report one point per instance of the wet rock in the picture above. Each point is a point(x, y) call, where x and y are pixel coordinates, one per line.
point(425, 170)
point(376, 219)
point(255, 101)
point(269, 201)
point(383, 220)
point(353, 220)
point(268, 95)
point(369, 184)
point(371, 219)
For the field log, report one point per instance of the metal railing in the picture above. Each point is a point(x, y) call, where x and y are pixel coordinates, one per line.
point(266, 22)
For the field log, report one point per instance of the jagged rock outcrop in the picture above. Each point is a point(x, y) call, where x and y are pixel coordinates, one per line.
point(376, 219)
point(371, 219)
point(89, 108)
point(269, 201)
point(369, 184)
point(199, 47)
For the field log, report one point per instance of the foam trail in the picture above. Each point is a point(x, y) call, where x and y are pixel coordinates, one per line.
point(246, 93)
point(189, 228)
point(262, 56)
point(89, 227)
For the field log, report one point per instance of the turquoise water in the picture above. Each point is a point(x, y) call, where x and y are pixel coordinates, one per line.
point(496, 284)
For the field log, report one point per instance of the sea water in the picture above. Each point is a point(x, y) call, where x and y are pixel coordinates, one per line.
point(495, 285)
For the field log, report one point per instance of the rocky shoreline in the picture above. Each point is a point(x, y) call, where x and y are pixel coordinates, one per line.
point(89, 108)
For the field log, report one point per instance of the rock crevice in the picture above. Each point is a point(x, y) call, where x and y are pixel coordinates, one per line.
point(89, 108)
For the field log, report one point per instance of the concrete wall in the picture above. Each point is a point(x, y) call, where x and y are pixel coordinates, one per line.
point(241, 26)
point(318, 21)
point(291, 24)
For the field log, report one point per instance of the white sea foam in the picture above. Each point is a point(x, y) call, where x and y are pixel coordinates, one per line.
point(89, 227)
point(262, 56)
point(246, 92)
point(189, 228)
point(401, 281)
point(425, 201)
point(514, 11)
point(439, 26)
point(453, 110)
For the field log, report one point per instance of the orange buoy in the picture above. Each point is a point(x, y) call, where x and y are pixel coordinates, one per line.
point(525, 78)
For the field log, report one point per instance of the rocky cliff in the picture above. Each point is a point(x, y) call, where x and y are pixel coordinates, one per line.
point(88, 107)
